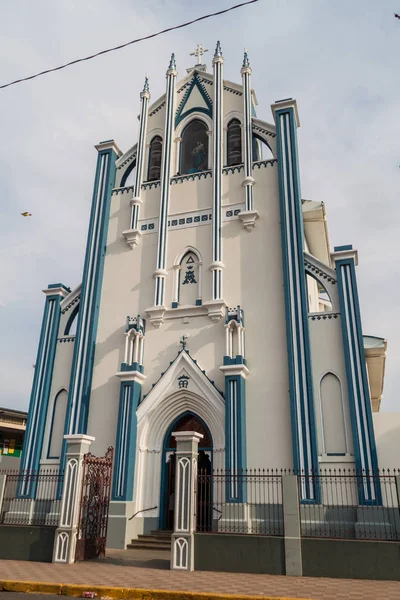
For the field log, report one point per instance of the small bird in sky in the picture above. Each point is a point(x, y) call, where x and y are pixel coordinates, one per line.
point(26, 214)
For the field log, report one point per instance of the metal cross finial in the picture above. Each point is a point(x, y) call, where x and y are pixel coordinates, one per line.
point(183, 341)
point(172, 64)
point(246, 62)
point(198, 53)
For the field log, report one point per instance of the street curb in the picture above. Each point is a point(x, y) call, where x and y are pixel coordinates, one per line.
point(120, 593)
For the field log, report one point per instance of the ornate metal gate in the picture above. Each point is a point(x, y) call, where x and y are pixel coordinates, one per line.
point(94, 506)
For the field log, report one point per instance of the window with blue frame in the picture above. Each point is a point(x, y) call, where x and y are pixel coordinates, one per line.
point(194, 148)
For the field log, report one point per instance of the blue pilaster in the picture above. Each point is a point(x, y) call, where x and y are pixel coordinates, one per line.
point(235, 371)
point(125, 444)
point(235, 434)
point(305, 452)
point(366, 459)
point(39, 401)
point(84, 347)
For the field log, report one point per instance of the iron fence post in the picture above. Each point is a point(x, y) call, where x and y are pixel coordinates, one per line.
point(3, 481)
point(66, 534)
point(292, 525)
point(182, 557)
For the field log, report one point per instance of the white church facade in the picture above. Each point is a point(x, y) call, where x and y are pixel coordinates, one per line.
point(211, 301)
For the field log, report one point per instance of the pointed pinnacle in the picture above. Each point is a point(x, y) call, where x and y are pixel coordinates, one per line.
point(246, 62)
point(146, 84)
point(172, 64)
point(218, 51)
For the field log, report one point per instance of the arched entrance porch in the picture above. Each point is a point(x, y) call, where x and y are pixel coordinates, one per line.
point(187, 421)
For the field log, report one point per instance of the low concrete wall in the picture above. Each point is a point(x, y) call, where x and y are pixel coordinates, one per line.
point(18, 542)
point(239, 553)
point(353, 559)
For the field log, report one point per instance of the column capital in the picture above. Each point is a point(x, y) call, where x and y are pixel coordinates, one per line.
point(108, 145)
point(57, 289)
point(287, 103)
point(345, 253)
point(187, 436)
point(241, 370)
point(246, 70)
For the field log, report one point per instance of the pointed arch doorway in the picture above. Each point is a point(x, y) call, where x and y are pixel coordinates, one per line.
point(188, 421)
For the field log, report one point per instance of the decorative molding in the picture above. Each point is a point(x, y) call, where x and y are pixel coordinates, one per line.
point(232, 91)
point(191, 177)
point(328, 274)
point(241, 370)
point(233, 169)
point(263, 130)
point(148, 185)
point(155, 110)
point(122, 190)
point(68, 338)
point(248, 218)
point(323, 316)
point(127, 160)
point(271, 162)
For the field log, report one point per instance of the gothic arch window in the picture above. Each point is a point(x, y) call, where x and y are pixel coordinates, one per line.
point(234, 143)
point(155, 154)
point(187, 279)
point(334, 420)
point(128, 177)
point(194, 148)
point(70, 328)
point(57, 424)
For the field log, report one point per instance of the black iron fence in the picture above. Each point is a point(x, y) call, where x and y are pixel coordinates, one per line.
point(249, 502)
point(353, 505)
point(31, 497)
point(348, 504)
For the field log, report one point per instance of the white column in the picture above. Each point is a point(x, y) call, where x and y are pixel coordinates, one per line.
point(126, 357)
point(177, 269)
point(217, 266)
point(249, 215)
point(187, 443)
point(200, 278)
point(66, 534)
point(178, 141)
point(144, 111)
point(156, 313)
point(136, 348)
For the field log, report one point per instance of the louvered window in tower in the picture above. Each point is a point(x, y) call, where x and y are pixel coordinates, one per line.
point(155, 153)
point(234, 143)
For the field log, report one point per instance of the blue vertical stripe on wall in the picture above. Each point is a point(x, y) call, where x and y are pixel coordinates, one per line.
point(125, 456)
point(365, 453)
point(84, 348)
point(305, 452)
point(39, 401)
point(235, 435)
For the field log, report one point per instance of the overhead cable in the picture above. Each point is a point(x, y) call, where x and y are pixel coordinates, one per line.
point(137, 40)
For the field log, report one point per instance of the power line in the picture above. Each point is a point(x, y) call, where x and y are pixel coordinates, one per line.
point(146, 37)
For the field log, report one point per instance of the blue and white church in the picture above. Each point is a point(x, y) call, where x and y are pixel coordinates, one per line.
point(211, 301)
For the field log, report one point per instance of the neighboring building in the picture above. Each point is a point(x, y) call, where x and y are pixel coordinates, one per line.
point(211, 301)
point(12, 431)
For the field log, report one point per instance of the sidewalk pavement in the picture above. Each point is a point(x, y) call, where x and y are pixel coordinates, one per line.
point(149, 570)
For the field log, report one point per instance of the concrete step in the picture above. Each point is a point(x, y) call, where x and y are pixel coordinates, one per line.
point(161, 534)
point(149, 545)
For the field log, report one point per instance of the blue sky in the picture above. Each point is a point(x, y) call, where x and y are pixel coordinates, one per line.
point(338, 59)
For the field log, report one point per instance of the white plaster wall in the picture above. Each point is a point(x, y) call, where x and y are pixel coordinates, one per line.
point(387, 436)
point(60, 380)
point(327, 334)
point(252, 278)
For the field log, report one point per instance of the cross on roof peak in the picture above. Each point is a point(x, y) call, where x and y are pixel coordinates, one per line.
point(198, 53)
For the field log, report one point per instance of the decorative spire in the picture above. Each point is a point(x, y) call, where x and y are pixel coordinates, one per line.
point(172, 64)
point(218, 51)
point(146, 84)
point(246, 62)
